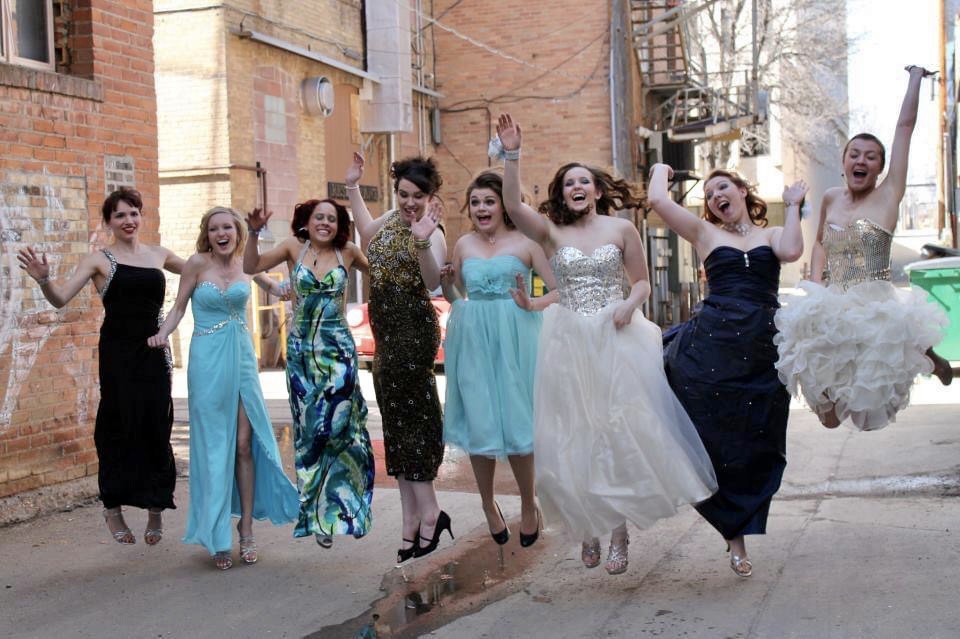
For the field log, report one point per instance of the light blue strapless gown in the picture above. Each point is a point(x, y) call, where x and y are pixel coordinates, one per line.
point(222, 371)
point(491, 358)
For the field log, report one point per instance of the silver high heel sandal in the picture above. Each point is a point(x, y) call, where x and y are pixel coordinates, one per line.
point(741, 565)
point(152, 536)
point(248, 548)
point(617, 557)
point(590, 553)
point(123, 536)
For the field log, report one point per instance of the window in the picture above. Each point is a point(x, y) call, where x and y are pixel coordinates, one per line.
point(26, 33)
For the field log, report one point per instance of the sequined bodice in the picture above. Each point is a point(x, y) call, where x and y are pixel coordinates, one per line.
point(587, 283)
point(393, 259)
point(215, 309)
point(492, 278)
point(857, 253)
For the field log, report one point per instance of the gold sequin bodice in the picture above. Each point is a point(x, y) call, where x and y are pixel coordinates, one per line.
point(588, 282)
point(393, 259)
point(858, 252)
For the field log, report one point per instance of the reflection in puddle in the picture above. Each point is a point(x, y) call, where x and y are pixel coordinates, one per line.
point(427, 594)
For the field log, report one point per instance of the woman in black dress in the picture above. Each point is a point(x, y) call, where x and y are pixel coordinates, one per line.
point(720, 363)
point(132, 432)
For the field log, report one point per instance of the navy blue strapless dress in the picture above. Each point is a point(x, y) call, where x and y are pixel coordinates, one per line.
point(720, 364)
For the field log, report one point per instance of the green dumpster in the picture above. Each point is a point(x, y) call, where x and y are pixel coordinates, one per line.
point(940, 278)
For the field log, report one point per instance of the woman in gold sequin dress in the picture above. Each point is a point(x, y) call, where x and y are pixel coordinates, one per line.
point(406, 250)
point(854, 344)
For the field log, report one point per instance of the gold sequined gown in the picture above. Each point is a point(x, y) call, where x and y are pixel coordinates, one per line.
point(611, 441)
point(407, 334)
point(859, 342)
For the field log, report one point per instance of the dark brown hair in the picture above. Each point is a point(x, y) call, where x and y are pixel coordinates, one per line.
point(421, 171)
point(869, 137)
point(615, 194)
point(756, 207)
point(303, 211)
point(488, 180)
point(123, 194)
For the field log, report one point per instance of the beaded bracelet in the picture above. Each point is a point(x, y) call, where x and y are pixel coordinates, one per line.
point(513, 154)
point(43, 281)
point(355, 187)
point(254, 231)
point(422, 244)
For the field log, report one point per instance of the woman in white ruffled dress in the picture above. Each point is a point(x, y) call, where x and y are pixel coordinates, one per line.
point(854, 343)
point(611, 441)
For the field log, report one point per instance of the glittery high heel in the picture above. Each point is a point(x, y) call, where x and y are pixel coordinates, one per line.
point(617, 557)
point(124, 536)
point(590, 553)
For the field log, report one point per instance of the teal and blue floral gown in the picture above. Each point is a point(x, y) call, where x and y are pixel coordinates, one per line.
point(334, 458)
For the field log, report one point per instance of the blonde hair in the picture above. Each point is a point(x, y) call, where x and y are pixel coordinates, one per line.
point(203, 240)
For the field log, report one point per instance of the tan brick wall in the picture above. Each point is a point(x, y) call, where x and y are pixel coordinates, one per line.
point(559, 92)
point(55, 130)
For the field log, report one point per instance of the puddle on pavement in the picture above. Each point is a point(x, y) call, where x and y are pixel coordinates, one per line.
point(428, 593)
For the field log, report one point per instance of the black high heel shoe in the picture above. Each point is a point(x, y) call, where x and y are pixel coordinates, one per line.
point(406, 553)
point(503, 536)
point(529, 540)
point(443, 523)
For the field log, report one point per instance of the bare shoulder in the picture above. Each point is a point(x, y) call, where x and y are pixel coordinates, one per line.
point(832, 194)
point(198, 261)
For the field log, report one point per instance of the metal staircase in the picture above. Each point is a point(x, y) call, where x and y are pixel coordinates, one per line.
point(687, 107)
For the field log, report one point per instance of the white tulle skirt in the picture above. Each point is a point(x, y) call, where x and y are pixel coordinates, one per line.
point(611, 441)
point(857, 350)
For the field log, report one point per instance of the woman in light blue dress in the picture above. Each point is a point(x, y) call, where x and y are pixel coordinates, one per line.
point(235, 467)
point(491, 351)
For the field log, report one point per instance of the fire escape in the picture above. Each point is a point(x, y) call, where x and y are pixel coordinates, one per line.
point(686, 107)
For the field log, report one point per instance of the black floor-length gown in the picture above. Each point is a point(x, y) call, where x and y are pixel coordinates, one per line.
point(720, 364)
point(135, 415)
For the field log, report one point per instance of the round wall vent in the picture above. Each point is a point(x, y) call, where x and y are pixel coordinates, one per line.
point(317, 96)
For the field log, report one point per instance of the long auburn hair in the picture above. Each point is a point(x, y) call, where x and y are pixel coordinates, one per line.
point(615, 194)
point(304, 210)
point(756, 206)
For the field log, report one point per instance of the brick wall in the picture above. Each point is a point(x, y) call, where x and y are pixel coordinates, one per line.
point(557, 88)
point(57, 130)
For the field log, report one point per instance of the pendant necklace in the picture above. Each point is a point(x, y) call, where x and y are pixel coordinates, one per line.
point(742, 229)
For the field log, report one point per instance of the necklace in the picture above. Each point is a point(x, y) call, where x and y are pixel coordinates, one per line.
point(740, 228)
point(491, 239)
point(316, 255)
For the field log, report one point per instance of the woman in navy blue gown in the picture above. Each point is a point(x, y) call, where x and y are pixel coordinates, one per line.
point(721, 362)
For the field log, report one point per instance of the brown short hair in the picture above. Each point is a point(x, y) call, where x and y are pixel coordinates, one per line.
point(123, 194)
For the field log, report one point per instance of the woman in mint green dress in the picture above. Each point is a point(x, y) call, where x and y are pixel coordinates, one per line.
point(335, 466)
point(235, 467)
point(491, 351)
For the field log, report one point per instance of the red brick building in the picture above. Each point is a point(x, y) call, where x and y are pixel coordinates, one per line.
point(77, 118)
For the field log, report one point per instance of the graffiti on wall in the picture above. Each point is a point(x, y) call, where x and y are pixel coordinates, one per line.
point(49, 213)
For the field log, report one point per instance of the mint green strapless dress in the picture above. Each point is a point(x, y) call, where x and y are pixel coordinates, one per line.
point(222, 372)
point(491, 358)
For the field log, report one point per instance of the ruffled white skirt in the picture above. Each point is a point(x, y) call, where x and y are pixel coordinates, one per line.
point(611, 441)
point(857, 350)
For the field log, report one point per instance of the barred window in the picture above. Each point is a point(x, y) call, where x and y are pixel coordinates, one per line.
point(26, 33)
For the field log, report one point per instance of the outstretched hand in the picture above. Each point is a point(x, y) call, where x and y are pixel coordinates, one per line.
point(36, 267)
point(509, 132)
point(794, 193)
point(355, 170)
point(257, 219)
point(428, 222)
point(520, 296)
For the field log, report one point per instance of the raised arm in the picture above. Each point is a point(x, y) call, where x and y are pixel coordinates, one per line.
point(58, 293)
point(367, 227)
point(683, 222)
point(900, 150)
point(188, 281)
point(635, 265)
point(787, 242)
point(253, 260)
point(530, 223)
point(430, 244)
point(271, 286)
point(359, 261)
